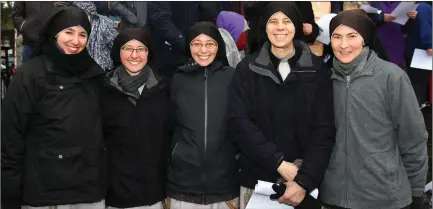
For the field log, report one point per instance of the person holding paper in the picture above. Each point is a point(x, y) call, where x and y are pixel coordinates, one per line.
point(419, 36)
point(281, 109)
point(391, 33)
point(380, 156)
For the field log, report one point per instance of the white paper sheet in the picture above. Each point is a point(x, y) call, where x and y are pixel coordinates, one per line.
point(260, 199)
point(428, 187)
point(421, 60)
point(369, 9)
point(400, 12)
point(323, 23)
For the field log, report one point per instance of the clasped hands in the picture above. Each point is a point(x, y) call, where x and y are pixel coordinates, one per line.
point(290, 192)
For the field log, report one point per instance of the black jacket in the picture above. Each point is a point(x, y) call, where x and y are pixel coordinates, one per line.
point(270, 119)
point(52, 147)
point(28, 18)
point(202, 158)
point(306, 11)
point(133, 14)
point(136, 134)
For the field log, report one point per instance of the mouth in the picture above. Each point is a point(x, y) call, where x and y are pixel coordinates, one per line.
point(345, 53)
point(204, 58)
point(134, 62)
point(73, 49)
point(280, 36)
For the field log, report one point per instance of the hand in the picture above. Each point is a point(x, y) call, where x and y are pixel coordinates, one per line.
point(307, 29)
point(388, 17)
point(412, 14)
point(288, 170)
point(294, 194)
point(429, 52)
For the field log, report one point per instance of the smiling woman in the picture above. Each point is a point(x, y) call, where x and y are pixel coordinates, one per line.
point(49, 159)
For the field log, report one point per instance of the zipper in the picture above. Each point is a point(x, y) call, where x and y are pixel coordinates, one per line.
point(174, 149)
point(205, 125)
point(346, 139)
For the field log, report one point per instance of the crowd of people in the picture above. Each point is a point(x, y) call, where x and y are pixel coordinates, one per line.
point(187, 105)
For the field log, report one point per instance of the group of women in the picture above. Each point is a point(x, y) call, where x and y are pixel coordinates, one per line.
point(75, 137)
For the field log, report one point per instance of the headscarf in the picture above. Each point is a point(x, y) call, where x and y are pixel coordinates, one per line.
point(60, 19)
point(232, 22)
point(287, 8)
point(102, 36)
point(140, 34)
point(209, 29)
point(359, 21)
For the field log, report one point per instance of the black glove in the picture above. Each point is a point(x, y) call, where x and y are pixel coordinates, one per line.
point(418, 203)
point(279, 189)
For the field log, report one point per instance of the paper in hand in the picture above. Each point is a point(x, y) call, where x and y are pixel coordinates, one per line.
point(323, 24)
point(400, 12)
point(421, 60)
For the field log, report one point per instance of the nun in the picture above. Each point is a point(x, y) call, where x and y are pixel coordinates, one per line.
point(380, 157)
point(135, 109)
point(281, 110)
point(52, 142)
point(202, 172)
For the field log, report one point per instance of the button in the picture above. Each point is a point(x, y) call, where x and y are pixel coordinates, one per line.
point(61, 87)
point(60, 157)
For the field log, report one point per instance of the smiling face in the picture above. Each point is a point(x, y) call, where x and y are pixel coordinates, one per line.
point(72, 40)
point(203, 50)
point(133, 56)
point(346, 43)
point(280, 30)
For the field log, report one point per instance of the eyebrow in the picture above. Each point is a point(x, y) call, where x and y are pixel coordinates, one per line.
point(132, 46)
point(351, 33)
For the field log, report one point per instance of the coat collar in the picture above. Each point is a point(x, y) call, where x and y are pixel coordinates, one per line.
point(262, 63)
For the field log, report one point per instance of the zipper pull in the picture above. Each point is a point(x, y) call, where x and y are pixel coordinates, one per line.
point(205, 73)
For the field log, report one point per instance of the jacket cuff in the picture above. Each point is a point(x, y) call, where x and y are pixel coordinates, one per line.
point(279, 157)
point(417, 192)
point(305, 182)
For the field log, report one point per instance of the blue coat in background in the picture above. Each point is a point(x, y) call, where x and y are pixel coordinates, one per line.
point(419, 30)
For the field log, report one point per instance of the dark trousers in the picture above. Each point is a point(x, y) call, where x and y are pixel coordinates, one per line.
point(420, 82)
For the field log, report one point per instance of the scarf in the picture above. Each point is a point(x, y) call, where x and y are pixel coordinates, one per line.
point(357, 64)
point(103, 34)
point(284, 67)
point(130, 83)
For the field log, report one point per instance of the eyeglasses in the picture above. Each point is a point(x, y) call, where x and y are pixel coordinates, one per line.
point(200, 45)
point(139, 50)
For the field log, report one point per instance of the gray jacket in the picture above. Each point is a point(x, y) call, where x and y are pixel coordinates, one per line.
point(380, 156)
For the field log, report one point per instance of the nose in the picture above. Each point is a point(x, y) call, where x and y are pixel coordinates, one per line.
point(344, 43)
point(280, 26)
point(75, 40)
point(134, 54)
point(203, 49)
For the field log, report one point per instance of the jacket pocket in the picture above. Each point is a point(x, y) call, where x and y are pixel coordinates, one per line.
point(61, 169)
point(380, 174)
point(185, 159)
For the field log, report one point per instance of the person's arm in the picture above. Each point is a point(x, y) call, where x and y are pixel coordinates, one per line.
point(17, 107)
point(18, 12)
point(159, 13)
point(411, 133)
point(424, 20)
point(246, 135)
point(119, 9)
point(322, 138)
